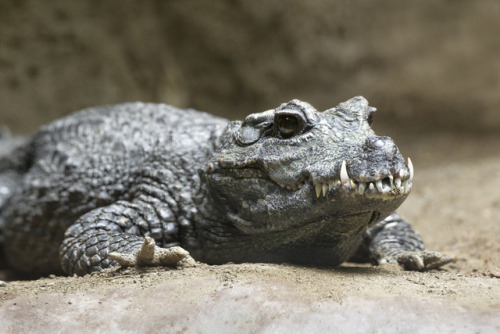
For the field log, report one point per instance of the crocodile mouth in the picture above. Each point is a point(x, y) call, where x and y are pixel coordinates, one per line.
point(389, 185)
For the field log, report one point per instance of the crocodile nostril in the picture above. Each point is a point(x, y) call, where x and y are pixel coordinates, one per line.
point(377, 143)
point(384, 145)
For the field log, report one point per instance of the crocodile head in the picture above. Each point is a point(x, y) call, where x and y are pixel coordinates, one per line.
point(294, 168)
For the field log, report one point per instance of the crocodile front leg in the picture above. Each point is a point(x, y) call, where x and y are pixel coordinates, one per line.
point(121, 233)
point(393, 240)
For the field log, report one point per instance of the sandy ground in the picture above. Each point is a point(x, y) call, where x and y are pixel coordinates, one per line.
point(455, 205)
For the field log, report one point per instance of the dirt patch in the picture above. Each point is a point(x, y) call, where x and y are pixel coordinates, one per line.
point(455, 205)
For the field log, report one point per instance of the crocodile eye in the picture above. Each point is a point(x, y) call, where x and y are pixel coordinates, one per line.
point(289, 125)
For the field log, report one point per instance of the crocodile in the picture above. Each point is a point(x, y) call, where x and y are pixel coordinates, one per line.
point(140, 184)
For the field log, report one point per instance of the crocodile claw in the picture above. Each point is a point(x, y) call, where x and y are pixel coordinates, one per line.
point(423, 260)
point(151, 255)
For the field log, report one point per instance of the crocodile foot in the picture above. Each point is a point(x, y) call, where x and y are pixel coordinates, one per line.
point(423, 260)
point(151, 255)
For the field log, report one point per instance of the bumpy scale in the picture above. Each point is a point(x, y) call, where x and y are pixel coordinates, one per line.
point(149, 184)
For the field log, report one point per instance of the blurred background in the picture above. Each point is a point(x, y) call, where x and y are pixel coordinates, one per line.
point(428, 66)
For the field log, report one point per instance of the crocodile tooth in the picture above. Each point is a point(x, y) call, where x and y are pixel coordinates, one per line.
point(371, 186)
point(318, 189)
point(407, 186)
point(398, 182)
point(401, 174)
point(325, 189)
point(331, 184)
point(379, 186)
point(344, 177)
point(391, 179)
point(410, 167)
point(361, 188)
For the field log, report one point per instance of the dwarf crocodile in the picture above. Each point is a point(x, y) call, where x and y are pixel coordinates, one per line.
point(150, 184)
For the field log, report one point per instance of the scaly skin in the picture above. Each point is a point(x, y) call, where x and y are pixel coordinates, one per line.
point(148, 184)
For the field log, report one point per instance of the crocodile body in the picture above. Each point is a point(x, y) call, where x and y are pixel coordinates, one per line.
point(290, 184)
